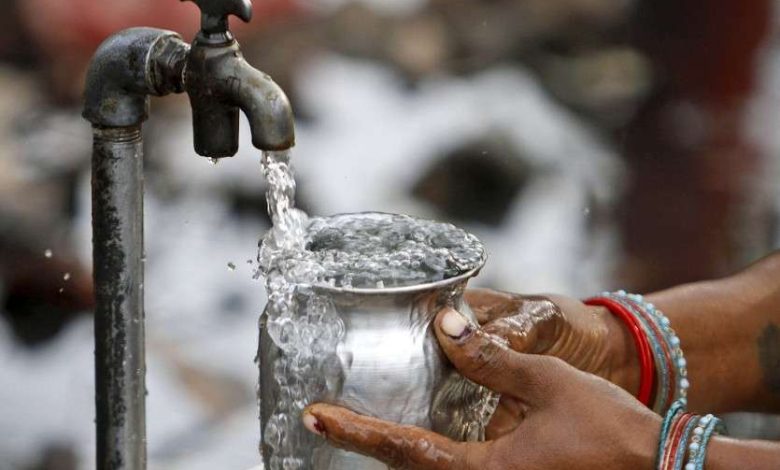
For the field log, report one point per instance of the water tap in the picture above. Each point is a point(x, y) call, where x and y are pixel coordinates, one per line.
point(141, 62)
point(219, 82)
point(126, 70)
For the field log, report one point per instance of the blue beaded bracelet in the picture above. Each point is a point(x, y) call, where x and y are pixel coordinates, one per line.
point(697, 448)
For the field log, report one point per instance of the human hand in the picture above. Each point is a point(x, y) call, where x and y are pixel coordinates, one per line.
point(567, 418)
point(587, 337)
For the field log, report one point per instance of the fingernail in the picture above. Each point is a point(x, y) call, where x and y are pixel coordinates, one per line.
point(312, 424)
point(455, 325)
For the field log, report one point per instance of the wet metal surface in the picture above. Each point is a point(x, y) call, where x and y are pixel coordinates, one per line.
point(219, 83)
point(389, 366)
point(120, 366)
point(119, 81)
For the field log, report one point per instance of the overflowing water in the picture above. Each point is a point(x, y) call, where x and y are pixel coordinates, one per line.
point(286, 323)
point(357, 251)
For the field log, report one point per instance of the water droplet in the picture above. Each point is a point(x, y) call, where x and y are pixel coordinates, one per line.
point(48, 253)
point(62, 289)
point(213, 161)
point(586, 211)
point(66, 277)
point(231, 266)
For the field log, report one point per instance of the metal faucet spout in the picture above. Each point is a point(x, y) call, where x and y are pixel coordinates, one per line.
point(220, 82)
point(265, 104)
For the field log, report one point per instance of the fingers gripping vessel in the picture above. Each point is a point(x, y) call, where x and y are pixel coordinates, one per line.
point(126, 70)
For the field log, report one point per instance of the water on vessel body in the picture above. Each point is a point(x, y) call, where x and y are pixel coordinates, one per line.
point(366, 251)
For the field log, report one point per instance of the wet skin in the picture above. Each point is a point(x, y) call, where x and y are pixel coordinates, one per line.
point(555, 415)
point(557, 403)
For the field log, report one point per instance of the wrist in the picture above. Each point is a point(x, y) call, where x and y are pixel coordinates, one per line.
point(624, 370)
point(641, 444)
point(726, 453)
point(722, 453)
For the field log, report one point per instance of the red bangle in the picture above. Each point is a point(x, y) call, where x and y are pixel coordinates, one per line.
point(646, 366)
point(667, 354)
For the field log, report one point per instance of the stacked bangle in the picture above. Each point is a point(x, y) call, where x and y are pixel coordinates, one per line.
point(676, 410)
point(685, 436)
point(640, 340)
point(674, 358)
point(671, 375)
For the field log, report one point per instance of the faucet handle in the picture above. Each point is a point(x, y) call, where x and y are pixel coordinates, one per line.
point(215, 14)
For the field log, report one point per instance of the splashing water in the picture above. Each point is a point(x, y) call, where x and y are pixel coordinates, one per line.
point(357, 251)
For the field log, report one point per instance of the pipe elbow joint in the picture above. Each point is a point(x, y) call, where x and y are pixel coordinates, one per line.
point(126, 69)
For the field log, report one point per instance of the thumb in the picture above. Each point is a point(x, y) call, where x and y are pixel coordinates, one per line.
point(488, 361)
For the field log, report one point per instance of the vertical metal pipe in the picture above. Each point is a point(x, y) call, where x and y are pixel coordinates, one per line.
point(120, 365)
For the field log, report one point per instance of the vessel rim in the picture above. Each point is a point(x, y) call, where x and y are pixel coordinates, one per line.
point(400, 290)
point(410, 289)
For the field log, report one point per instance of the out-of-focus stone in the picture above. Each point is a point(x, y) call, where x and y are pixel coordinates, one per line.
point(607, 84)
point(420, 46)
point(477, 182)
point(56, 457)
point(45, 286)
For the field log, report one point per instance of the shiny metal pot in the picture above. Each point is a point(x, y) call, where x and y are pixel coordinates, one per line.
point(391, 367)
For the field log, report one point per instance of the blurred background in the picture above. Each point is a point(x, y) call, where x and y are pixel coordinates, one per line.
point(592, 144)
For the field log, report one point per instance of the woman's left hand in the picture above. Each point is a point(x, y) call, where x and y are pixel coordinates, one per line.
point(586, 337)
point(566, 418)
